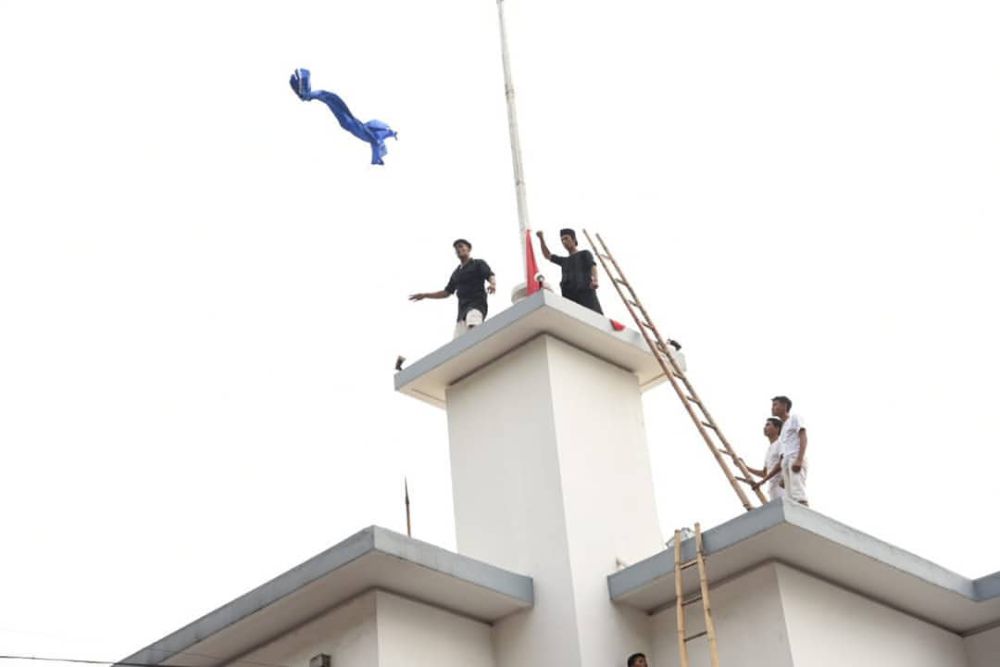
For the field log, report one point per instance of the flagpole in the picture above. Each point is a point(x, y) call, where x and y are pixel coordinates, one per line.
point(406, 499)
point(515, 140)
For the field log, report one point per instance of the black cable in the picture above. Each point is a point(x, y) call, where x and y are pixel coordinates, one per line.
point(85, 662)
point(81, 661)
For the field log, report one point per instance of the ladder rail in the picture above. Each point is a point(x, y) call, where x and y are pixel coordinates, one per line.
point(669, 372)
point(672, 371)
point(679, 590)
point(635, 297)
point(702, 596)
point(741, 466)
point(692, 393)
point(713, 649)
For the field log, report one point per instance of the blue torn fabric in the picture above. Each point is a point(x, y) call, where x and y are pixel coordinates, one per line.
point(375, 132)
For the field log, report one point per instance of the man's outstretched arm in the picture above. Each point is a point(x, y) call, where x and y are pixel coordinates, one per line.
point(443, 294)
point(774, 471)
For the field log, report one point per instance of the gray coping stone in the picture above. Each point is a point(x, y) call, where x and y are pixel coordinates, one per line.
point(371, 540)
point(517, 586)
point(988, 587)
point(456, 347)
point(776, 512)
point(515, 325)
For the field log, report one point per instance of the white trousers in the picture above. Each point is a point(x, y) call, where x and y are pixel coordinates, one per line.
point(795, 482)
point(473, 318)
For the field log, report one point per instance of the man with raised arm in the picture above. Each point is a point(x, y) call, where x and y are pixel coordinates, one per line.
point(467, 281)
point(579, 271)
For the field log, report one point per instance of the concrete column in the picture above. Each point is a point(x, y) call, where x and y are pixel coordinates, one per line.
point(551, 478)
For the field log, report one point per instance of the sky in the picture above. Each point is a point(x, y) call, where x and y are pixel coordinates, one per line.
point(203, 282)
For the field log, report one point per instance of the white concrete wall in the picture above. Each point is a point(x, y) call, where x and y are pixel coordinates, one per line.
point(348, 634)
point(609, 504)
point(831, 627)
point(508, 498)
point(551, 478)
point(411, 634)
point(983, 648)
point(749, 624)
point(504, 464)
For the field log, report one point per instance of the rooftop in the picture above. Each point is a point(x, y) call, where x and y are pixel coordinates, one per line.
point(786, 532)
point(541, 313)
point(374, 558)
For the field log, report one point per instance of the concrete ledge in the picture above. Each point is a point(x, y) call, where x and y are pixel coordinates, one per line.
point(786, 532)
point(988, 587)
point(542, 313)
point(374, 558)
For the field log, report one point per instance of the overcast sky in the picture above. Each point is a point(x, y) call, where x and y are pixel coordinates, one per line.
point(203, 282)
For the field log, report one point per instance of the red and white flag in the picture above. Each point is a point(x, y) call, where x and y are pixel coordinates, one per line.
point(531, 264)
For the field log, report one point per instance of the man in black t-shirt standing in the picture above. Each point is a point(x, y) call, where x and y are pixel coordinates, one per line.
point(579, 271)
point(467, 281)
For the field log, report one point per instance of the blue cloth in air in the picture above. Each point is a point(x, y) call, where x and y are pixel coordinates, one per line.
point(375, 132)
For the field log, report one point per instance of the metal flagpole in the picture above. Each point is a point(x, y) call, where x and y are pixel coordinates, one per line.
point(515, 141)
point(406, 499)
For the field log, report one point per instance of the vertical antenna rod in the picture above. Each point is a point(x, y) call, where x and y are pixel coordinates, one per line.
point(515, 140)
point(406, 499)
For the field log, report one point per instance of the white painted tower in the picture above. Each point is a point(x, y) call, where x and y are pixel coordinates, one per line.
point(550, 470)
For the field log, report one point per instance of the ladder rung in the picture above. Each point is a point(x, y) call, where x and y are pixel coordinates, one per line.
point(736, 460)
point(662, 349)
point(693, 637)
point(690, 563)
point(621, 281)
point(745, 480)
point(711, 426)
point(607, 257)
point(694, 400)
point(647, 325)
point(691, 600)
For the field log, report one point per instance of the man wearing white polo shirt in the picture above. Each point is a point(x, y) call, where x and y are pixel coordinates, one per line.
point(793, 442)
point(770, 474)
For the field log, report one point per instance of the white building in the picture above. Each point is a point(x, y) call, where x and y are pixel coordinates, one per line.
point(545, 506)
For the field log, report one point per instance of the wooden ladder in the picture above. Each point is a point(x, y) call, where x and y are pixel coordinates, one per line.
point(679, 566)
point(702, 418)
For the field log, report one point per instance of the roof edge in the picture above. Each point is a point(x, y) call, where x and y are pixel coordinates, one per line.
point(513, 585)
point(517, 588)
point(776, 512)
point(232, 612)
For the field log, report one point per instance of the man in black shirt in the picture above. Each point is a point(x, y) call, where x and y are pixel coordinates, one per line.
point(579, 271)
point(467, 280)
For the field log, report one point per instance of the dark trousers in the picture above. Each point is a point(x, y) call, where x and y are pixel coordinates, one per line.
point(585, 297)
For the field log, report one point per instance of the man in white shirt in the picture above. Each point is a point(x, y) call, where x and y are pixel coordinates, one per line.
point(771, 472)
point(793, 443)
